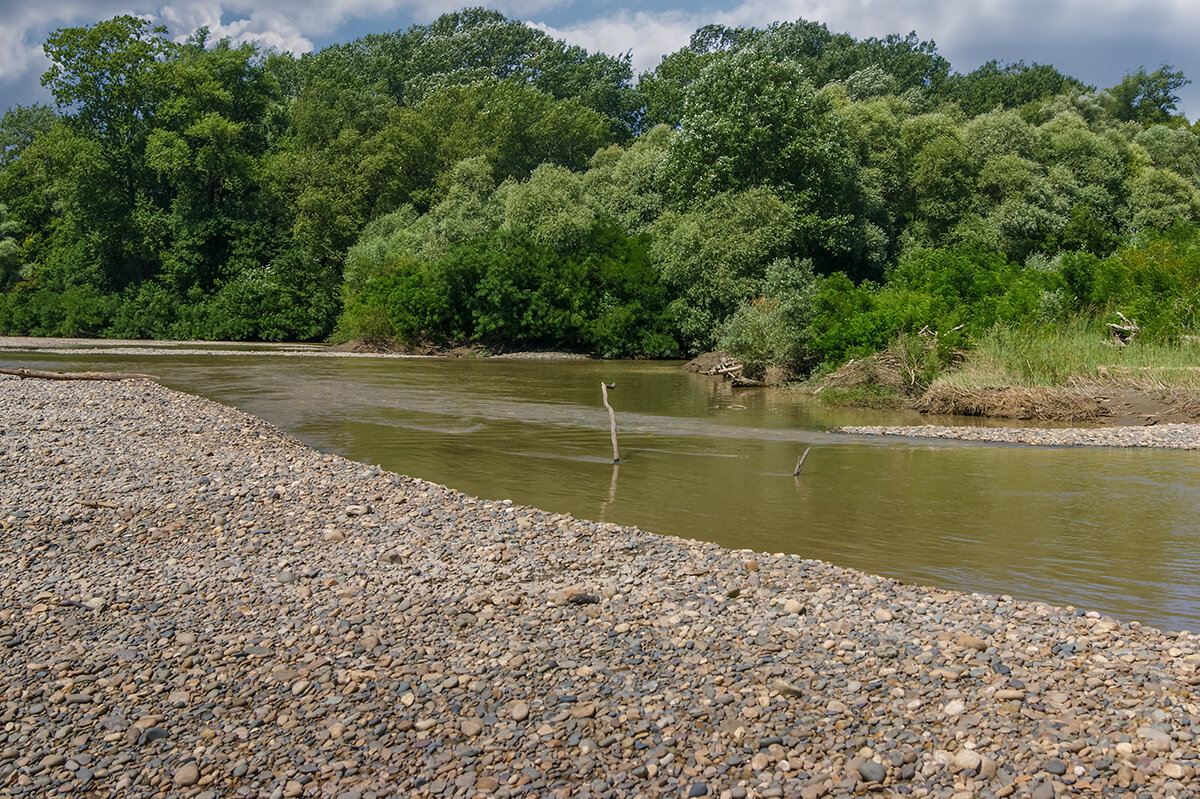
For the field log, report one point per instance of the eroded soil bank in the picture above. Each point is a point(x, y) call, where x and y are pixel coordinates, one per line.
point(194, 604)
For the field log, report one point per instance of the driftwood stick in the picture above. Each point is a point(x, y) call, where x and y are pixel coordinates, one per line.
point(612, 419)
point(40, 375)
point(800, 461)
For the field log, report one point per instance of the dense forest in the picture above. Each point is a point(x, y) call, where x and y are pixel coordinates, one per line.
point(794, 195)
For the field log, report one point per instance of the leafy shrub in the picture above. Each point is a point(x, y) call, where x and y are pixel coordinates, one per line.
point(775, 328)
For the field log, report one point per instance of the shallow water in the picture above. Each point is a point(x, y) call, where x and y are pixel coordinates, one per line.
point(1106, 529)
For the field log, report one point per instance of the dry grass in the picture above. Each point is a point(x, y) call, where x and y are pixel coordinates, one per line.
point(881, 369)
point(1011, 402)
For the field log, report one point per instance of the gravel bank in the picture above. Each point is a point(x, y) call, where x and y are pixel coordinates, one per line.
point(1167, 436)
point(194, 604)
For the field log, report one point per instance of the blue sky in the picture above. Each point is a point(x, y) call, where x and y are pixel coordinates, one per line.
point(1097, 41)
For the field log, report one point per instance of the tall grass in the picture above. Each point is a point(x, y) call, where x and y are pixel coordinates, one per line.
point(1079, 351)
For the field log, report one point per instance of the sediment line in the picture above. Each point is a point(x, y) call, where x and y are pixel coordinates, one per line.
point(195, 604)
point(1163, 436)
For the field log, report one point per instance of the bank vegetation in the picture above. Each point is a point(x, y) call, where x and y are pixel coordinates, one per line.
point(795, 196)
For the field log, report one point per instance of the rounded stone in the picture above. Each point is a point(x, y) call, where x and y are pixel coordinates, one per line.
point(187, 775)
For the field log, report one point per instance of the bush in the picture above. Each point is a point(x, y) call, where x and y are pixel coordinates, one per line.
point(775, 328)
point(508, 290)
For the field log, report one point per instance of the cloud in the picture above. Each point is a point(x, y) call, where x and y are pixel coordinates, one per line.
point(1098, 41)
point(649, 35)
point(26, 26)
point(1095, 40)
point(282, 24)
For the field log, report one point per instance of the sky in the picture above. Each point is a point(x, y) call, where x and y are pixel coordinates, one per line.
point(1097, 41)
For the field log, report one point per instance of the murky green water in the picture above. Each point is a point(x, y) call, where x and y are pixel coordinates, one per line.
point(1106, 529)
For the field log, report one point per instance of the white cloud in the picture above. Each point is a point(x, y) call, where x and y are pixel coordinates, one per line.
point(282, 24)
point(26, 26)
point(649, 35)
point(1096, 40)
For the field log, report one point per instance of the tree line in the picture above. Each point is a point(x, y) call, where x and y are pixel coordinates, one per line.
point(795, 195)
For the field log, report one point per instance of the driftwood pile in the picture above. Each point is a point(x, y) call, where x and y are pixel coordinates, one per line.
point(1123, 334)
point(732, 371)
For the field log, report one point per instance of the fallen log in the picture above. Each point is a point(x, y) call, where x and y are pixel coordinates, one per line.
point(42, 375)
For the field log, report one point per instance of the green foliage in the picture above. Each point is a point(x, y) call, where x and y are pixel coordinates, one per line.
point(514, 125)
point(1146, 98)
point(772, 128)
point(774, 329)
point(714, 258)
point(957, 294)
point(994, 85)
point(476, 46)
point(598, 293)
point(794, 194)
point(19, 126)
point(10, 254)
point(1155, 282)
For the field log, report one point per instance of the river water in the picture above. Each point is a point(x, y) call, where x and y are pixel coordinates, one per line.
point(1107, 529)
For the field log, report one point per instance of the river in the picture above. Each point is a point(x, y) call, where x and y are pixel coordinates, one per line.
point(1106, 529)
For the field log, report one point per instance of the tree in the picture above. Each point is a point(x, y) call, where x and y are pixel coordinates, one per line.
point(477, 45)
point(751, 121)
point(10, 254)
point(940, 176)
point(19, 127)
point(774, 329)
point(713, 258)
point(1147, 98)
point(104, 73)
point(516, 126)
point(1158, 199)
point(1173, 148)
point(995, 85)
point(627, 183)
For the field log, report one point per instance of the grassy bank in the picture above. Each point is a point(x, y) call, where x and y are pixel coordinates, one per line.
point(1078, 352)
point(1072, 372)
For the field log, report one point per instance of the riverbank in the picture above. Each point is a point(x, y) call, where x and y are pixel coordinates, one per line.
point(350, 349)
point(192, 603)
point(1070, 375)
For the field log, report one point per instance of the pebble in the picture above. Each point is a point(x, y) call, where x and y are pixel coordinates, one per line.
point(187, 775)
point(872, 771)
point(245, 633)
point(967, 760)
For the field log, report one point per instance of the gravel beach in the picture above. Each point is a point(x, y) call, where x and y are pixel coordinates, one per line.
point(1166, 436)
point(194, 604)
